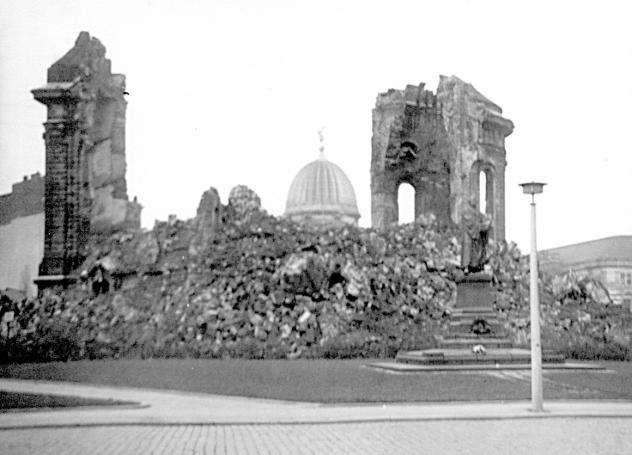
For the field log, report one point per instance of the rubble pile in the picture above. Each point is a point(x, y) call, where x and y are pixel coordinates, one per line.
point(237, 282)
point(581, 321)
point(578, 317)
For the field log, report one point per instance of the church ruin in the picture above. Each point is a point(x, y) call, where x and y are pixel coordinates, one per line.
point(85, 187)
point(440, 143)
point(444, 144)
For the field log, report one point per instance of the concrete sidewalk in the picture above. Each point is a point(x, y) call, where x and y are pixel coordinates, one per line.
point(173, 423)
point(163, 407)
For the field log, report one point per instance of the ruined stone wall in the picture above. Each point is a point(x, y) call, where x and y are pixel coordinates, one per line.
point(85, 190)
point(439, 143)
point(409, 146)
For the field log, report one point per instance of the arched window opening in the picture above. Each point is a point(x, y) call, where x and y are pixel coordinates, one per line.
point(406, 203)
point(482, 192)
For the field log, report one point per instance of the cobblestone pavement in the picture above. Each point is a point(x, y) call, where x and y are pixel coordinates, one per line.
point(515, 436)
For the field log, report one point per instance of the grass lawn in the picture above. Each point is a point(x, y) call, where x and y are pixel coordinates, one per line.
point(15, 400)
point(330, 381)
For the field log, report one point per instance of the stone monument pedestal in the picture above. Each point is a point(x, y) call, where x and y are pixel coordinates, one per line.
point(475, 334)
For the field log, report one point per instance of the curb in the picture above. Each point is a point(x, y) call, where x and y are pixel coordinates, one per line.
point(115, 407)
point(317, 422)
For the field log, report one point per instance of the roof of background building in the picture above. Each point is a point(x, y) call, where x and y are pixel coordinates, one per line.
point(25, 199)
point(615, 248)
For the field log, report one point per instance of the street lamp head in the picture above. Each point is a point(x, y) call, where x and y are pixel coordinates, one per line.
point(532, 188)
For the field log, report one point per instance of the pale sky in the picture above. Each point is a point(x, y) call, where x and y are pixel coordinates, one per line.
point(233, 92)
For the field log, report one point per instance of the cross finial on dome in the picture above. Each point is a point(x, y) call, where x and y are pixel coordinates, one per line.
point(321, 137)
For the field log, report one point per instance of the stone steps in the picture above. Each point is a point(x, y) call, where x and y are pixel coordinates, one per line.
point(474, 302)
point(466, 343)
point(473, 316)
point(465, 326)
point(466, 356)
point(467, 336)
point(473, 310)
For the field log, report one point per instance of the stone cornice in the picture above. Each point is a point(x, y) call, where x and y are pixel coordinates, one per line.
point(56, 91)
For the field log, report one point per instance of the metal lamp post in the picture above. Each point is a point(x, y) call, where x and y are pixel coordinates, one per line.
point(534, 188)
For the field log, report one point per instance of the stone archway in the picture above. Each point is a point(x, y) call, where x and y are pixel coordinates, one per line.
point(406, 202)
point(484, 173)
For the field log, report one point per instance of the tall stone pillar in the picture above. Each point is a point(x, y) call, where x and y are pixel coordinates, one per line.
point(499, 219)
point(384, 205)
point(85, 187)
point(66, 206)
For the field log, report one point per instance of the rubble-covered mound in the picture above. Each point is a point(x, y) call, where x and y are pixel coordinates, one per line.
point(578, 317)
point(237, 282)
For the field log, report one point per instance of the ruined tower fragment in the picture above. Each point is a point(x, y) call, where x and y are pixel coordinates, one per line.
point(85, 187)
point(440, 144)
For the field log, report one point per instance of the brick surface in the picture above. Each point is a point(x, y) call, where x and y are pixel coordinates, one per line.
point(517, 436)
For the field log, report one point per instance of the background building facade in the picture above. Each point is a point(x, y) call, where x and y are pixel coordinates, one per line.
point(22, 234)
point(608, 259)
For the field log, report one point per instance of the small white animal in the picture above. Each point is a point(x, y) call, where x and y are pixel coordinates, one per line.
point(479, 349)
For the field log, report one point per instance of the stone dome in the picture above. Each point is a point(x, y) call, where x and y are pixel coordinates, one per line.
point(322, 193)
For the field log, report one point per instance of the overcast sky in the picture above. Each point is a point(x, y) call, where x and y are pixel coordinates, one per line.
point(233, 92)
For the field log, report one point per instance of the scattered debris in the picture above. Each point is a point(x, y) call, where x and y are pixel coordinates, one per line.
point(256, 286)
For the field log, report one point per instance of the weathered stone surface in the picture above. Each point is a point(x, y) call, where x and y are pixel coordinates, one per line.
point(439, 143)
point(85, 189)
point(207, 221)
point(243, 202)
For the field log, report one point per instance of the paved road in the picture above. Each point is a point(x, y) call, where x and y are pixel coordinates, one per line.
point(184, 423)
point(521, 436)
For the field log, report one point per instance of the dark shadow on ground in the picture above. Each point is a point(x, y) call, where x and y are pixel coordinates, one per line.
point(19, 400)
